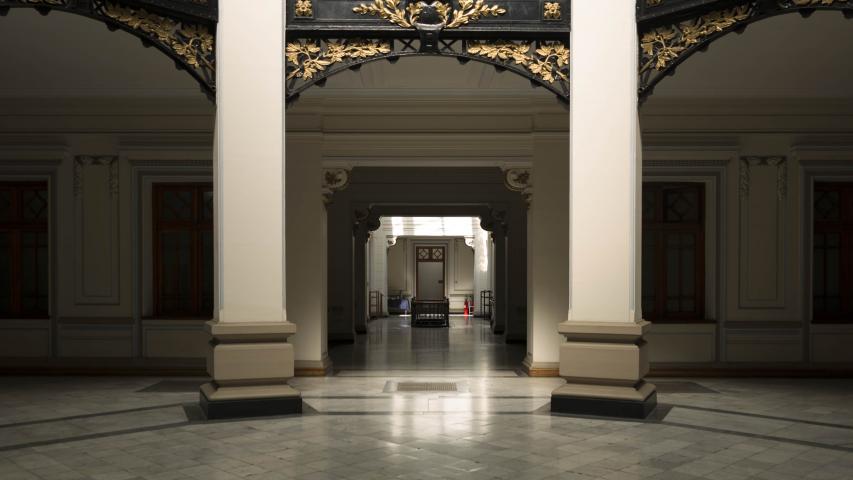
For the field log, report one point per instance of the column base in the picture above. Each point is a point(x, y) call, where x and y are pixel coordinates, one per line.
point(605, 401)
point(604, 364)
point(251, 401)
point(249, 364)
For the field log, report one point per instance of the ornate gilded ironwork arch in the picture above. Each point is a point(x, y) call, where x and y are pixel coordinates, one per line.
point(185, 30)
point(527, 37)
point(673, 30)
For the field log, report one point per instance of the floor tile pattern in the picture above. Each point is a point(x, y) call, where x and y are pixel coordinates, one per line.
point(108, 429)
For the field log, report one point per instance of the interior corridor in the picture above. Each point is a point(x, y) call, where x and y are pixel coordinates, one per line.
point(467, 348)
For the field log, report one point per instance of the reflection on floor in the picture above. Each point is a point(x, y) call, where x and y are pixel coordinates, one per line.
point(391, 344)
point(138, 428)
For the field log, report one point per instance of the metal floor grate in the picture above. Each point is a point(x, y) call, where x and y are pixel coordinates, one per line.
point(426, 387)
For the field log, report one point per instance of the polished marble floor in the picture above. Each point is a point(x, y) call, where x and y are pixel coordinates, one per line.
point(361, 427)
point(392, 344)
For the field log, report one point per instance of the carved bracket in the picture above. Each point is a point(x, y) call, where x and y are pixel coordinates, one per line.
point(333, 180)
point(520, 180)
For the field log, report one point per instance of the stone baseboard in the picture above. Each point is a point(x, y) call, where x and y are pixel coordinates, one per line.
point(540, 369)
point(313, 368)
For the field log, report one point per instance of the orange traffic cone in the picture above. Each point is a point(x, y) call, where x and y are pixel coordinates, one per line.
point(465, 311)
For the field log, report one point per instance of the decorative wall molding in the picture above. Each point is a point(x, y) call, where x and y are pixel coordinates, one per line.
point(109, 162)
point(170, 163)
point(96, 230)
point(762, 244)
point(781, 164)
point(686, 163)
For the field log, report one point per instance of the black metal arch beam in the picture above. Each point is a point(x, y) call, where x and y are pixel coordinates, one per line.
point(184, 30)
point(559, 83)
point(671, 35)
point(527, 37)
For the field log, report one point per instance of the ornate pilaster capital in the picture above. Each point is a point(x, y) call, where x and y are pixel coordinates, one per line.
point(520, 180)
point(778, 161)
point(333, 180)
point(392, 240)
point(109, 162)
point(469, 241)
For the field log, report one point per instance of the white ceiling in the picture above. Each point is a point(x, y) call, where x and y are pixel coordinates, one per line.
point(783, 56)
point(65, 54)
point(430, 226)
point(425, 73)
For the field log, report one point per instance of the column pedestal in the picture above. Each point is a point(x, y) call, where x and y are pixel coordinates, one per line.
point(250, 364)
point(604, 364)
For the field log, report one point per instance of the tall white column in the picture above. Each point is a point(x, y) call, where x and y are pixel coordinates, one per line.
point(250, 359)
point(604, 358)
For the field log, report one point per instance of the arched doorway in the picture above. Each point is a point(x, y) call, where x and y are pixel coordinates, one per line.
point(416, 136)
point(761, 123)
point(111, 139)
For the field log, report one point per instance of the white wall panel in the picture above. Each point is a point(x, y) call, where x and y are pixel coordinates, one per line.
point(96, 231)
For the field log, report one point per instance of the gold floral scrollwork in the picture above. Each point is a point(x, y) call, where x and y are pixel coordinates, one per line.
point(306, 60)
point(192, 43)
point(552, 11)
point(303, 8)
point(469, 11)
point(653, 3)
point(549, 62)
point(664, 45)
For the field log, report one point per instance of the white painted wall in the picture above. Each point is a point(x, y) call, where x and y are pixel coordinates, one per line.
point(459, 268)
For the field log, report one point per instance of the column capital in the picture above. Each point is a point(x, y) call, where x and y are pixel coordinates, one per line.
point(333, 180)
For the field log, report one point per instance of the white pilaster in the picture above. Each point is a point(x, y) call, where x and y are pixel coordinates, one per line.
point(306, 250)
point(604, 358)
point(482, 266)
point(250, 359)
point(378, 245)
point(548, 254)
